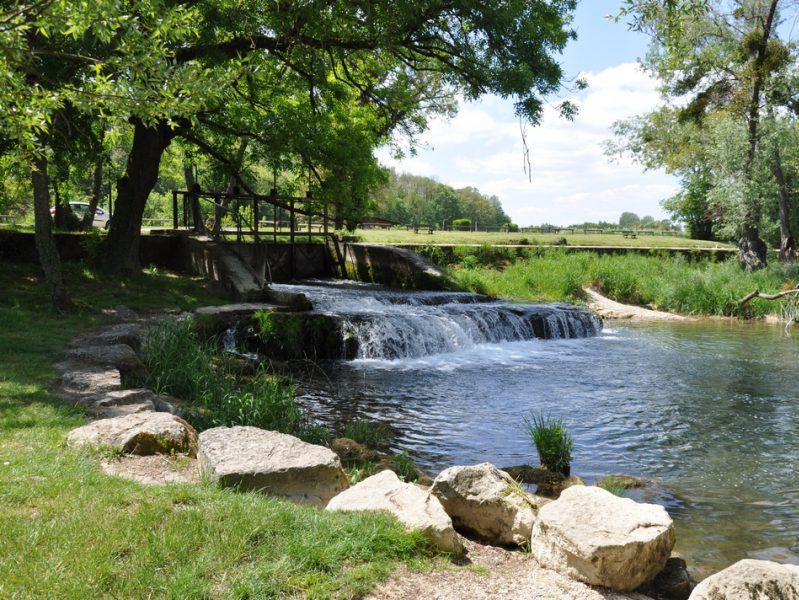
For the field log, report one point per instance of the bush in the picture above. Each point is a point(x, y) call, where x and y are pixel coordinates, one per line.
point(552, 441)
point(181, 365)
point(462, 224)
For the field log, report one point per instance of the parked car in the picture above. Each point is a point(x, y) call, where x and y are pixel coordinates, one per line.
point(101, 218)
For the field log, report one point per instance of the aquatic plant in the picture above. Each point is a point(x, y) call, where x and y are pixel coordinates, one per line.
point(372, 434)
point(552, 441)
point(404, 467)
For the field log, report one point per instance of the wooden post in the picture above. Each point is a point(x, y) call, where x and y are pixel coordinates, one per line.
point(255, 216)
point(291, 234)
point(309, 200)
point(174, 209)
point(218, 214)
point(273, 196)
point(324, 217)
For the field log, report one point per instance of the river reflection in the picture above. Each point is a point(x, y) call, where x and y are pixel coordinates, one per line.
point(706, 410)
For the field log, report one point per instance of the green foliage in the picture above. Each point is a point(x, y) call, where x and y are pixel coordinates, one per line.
point(358, 473)
point(404, 467)
point(696, 287)
point(616, 490)
point(372, 434)
point(462, 224)
point(552, 441)
point(182, 366)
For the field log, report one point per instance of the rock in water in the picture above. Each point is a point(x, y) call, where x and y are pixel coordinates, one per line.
point(270, 462)
point(412, 506)
point(141, 433)
point(751, 580)
point(487, 502)
point(592, 536)
point(350, 451)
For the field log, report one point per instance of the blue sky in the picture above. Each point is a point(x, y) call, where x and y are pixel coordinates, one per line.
point(572, 180)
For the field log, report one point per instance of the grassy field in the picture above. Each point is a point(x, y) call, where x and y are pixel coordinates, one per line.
point(400, 236)
point(69, 531)
point(698, 287)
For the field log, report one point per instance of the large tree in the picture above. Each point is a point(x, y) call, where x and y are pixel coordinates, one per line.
point(727, 62)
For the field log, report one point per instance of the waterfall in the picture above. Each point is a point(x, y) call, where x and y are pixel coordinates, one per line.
point(389, 324)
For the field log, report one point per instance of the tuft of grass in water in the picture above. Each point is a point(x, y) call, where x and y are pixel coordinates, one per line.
point(552, 441)
point(373, 434)
point(614, 489)
point(404, 467)
point(673, 283)
point(182, 365)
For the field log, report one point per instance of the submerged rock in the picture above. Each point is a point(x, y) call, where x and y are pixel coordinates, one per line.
point(274, 463)
point(141, 433)
point(672, 583)
point(751, 580)
point(350, 451)
point(412, 506)
point(488, 503)
point(592, 536)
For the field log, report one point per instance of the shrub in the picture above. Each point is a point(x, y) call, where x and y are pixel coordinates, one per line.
point(552, 441)
point(462, 224)
point(404, 467)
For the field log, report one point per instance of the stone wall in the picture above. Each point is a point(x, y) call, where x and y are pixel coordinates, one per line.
point(391, 266)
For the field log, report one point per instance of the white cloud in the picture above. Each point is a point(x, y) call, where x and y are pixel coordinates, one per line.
point(571, 180)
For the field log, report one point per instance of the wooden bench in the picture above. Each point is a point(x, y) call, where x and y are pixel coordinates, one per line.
point(428, 228)
point(630, 234)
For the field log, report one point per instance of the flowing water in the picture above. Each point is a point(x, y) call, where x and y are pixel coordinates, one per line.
point(705, 410)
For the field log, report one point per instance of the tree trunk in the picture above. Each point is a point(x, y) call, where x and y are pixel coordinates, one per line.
point(133, 189)
point(45, 243)
point(97, 192)
point(787, 241)
point(751, 249)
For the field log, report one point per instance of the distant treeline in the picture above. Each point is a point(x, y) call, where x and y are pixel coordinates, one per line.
point(630, 220)
point(413, 200)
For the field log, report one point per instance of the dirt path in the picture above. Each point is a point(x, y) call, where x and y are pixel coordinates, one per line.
point(610, 309)
point(490, 573)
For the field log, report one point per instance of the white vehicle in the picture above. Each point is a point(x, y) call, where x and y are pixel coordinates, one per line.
point(101, 218)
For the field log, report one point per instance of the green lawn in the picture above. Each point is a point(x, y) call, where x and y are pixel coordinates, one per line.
point(401, 236)
point(69, 531)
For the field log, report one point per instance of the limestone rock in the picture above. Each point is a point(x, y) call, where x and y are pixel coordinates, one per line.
point(274, 463)
point(672, 583)
point(751, 580)
point(119, 356)
point(533, 475)
point(487, 502)
point(412, 506)
point(79, 378)
point(140, 433)
point(118, 403)
point(131, 334)
point(350, 451)
point(592, 536)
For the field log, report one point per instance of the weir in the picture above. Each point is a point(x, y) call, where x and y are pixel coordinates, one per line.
point(389, 324)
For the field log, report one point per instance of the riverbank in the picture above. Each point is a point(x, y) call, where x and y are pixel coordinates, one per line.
point(69, 530)
point(668, 284)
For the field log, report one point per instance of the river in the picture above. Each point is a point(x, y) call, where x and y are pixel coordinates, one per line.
point(706, 410)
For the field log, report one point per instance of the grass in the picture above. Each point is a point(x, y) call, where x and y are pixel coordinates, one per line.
point(69, 531)
point(698, 287)
point(372, 434)
point(183, 366)
point(402, 236)
point(552, 441)
point(404, 467)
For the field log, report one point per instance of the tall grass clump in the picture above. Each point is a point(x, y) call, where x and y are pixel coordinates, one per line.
point(552, 441)
point(372, 434)
point(198, 373)
point(695, 286)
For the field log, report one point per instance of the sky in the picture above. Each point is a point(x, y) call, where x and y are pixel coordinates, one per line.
point(572, 180)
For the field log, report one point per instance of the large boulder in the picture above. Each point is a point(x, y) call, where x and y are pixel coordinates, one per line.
point(592, 536)
point(119, 356)
point(141, 433)
point(488, 503)
point(411, 505)
point(751, 580)
point(277, 464)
